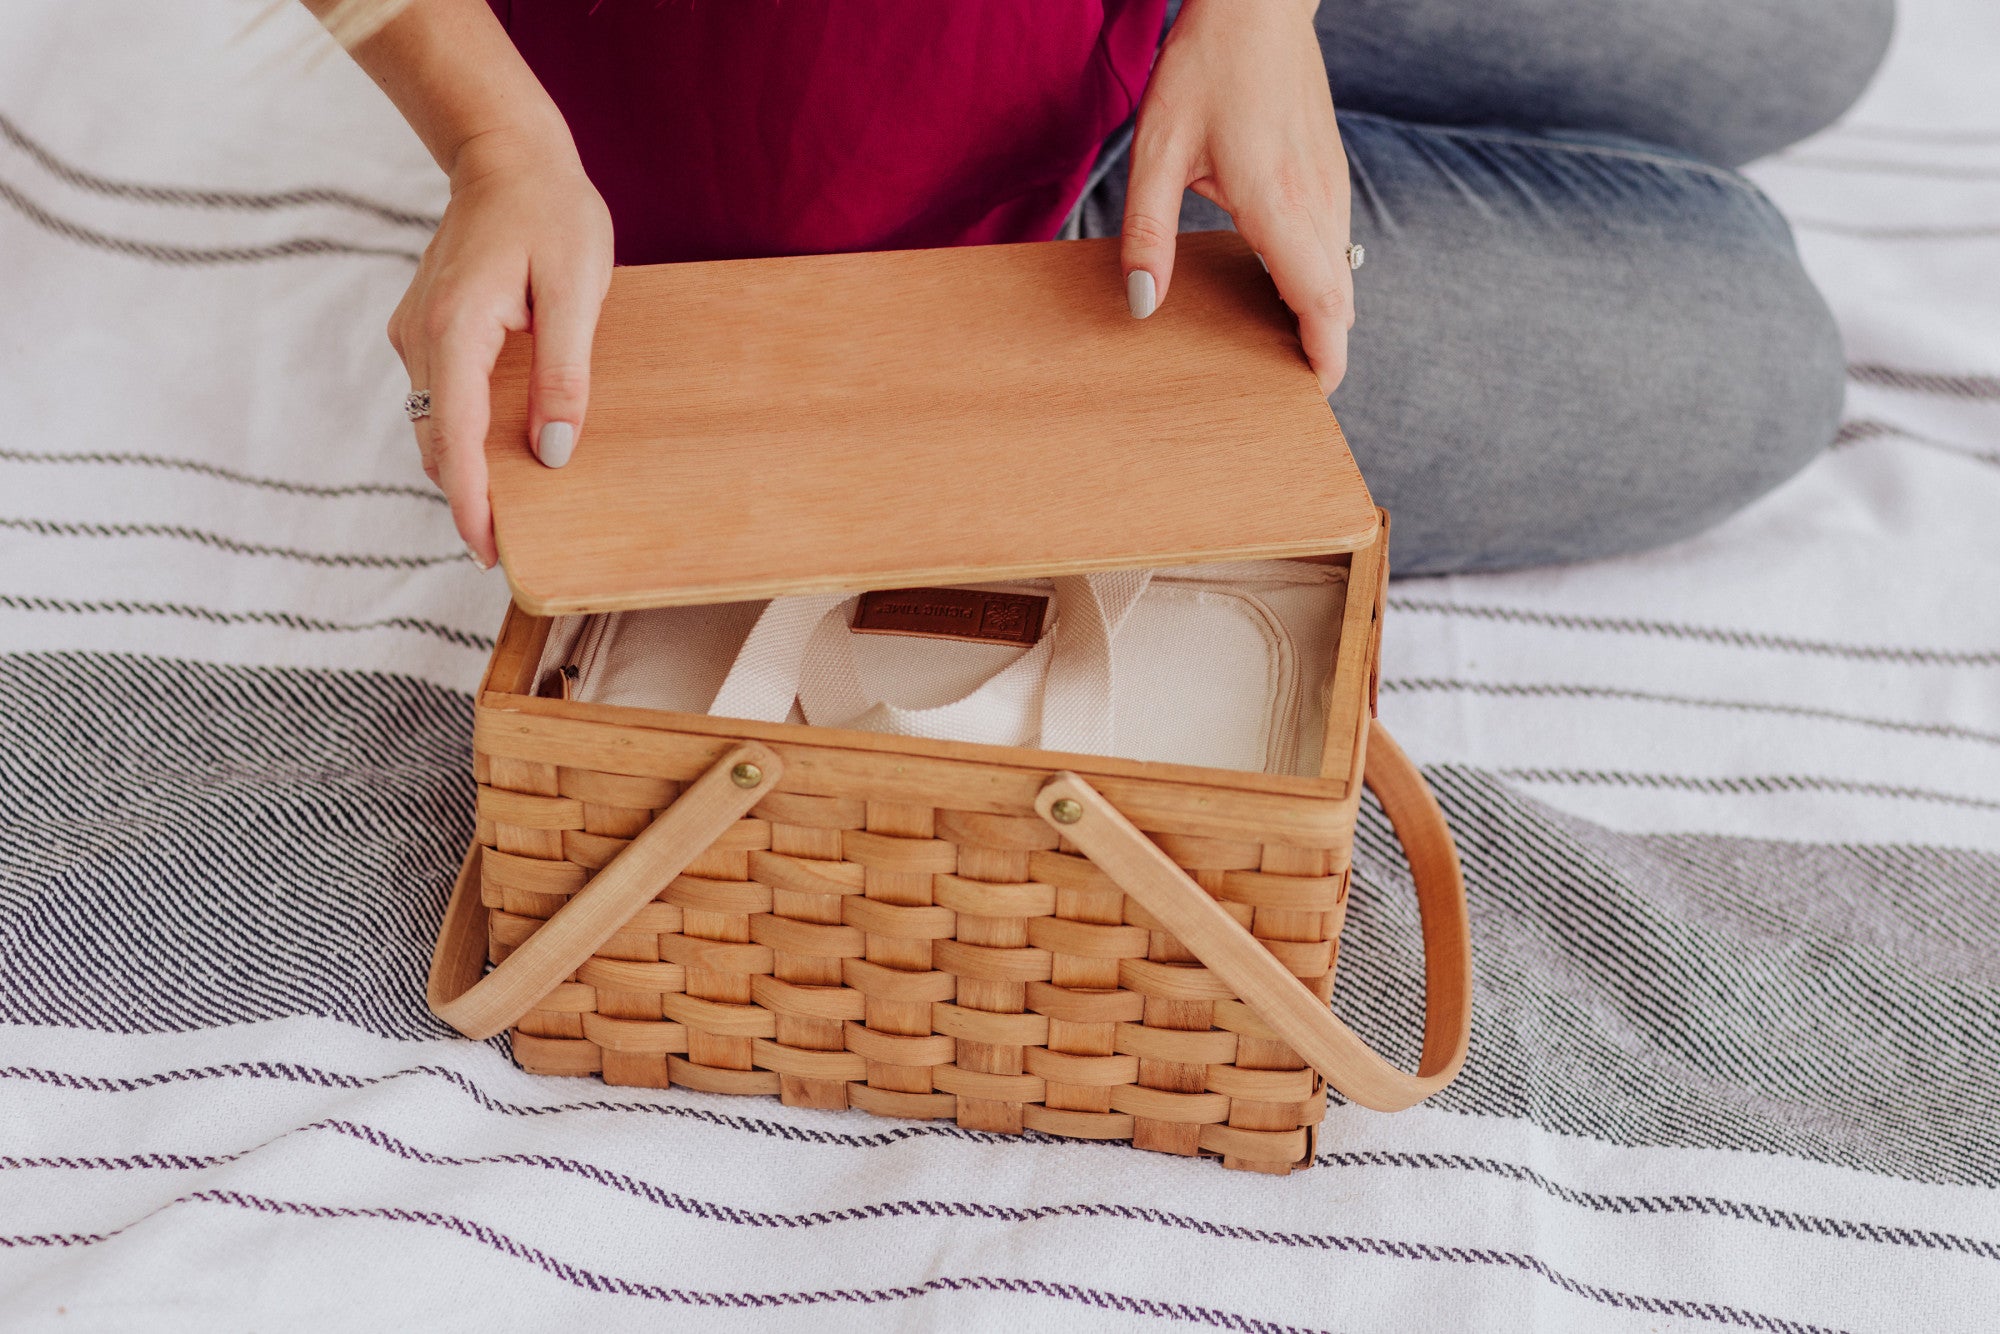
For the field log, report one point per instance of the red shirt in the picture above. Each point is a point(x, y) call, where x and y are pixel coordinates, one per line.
point(721, 129)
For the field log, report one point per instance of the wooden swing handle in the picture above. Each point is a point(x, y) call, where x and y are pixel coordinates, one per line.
point(479, 1006)
point(1136, 864)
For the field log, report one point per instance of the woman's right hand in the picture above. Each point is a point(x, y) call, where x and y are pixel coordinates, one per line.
point(525, 243)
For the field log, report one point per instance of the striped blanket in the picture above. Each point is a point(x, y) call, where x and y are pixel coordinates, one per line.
point(1730, 815)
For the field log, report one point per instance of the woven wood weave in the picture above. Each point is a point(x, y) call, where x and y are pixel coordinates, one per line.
point(912, 928)
point(915, 962)
point(1017, 939)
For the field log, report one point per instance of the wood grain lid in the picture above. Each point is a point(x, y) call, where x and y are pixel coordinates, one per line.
point(921, 417)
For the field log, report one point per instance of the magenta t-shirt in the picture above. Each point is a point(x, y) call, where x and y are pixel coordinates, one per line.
point(720, 129)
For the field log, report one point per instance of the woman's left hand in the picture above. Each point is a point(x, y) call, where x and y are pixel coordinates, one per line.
point(1238, 110)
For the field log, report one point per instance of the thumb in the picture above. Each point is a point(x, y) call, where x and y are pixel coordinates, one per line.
point(1152, 221)
point(565, 319)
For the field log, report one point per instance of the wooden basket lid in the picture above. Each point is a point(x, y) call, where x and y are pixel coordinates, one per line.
point(922, 417)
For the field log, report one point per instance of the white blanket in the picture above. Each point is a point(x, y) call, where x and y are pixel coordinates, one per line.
point(1730, 815)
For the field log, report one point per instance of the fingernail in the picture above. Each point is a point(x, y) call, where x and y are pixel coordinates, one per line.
point(1140, 293)
point(557, 443)
point(476, 558)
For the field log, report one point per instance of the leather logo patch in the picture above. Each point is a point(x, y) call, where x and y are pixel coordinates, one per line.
point(953, 613)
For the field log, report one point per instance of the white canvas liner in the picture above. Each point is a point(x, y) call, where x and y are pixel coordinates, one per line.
point(1223, 665)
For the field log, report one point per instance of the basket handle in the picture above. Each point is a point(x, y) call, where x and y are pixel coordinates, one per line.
point(1136, 864)
point(480, 1006)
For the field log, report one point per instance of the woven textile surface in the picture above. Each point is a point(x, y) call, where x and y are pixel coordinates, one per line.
point(1730, 816)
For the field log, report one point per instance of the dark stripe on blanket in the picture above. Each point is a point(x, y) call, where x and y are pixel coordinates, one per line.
point(1869, 428)
point(1707, 1206)
point(1655, 1206)
point(219, 542)
point(429, 494)
point(187, 197)
point(184, 847)
point(1567, 691)
point(1704, 634)
point(1924, 382)
point(161, 252)
point(215, 616)
point(1705, 991)
point(870, 1133)
point(187, 845)
point(1750, 785)
point(1182, 1312)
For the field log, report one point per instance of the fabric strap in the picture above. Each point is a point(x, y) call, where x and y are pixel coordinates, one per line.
point(1057, 695)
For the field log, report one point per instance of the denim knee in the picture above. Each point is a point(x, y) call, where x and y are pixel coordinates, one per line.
point(1726, 80)
point(1820, 64)
point(1568, 351)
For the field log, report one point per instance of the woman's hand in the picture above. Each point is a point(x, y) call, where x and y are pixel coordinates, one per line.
point(1238, 110)
point(525, 243)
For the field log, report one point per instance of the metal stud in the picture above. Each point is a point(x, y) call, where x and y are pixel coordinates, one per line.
point(746, 775)
point(1066, 810)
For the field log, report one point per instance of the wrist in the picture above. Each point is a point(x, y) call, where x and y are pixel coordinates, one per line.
point(525, 147)
point(455, 74)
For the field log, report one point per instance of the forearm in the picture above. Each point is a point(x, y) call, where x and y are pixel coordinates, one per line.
point(452, 71)
point(1307, 9)
point(524, 244)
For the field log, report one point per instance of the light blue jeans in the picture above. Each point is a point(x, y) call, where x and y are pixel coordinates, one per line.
point(1579, 331)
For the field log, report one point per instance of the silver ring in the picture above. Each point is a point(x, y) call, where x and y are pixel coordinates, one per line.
point(417, 404)
point(1356, 256)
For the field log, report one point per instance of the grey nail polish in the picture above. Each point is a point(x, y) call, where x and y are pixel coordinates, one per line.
point(556, 444)
point(1141, 294)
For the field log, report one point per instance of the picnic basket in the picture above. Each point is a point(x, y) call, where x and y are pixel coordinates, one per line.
point(1020, 940)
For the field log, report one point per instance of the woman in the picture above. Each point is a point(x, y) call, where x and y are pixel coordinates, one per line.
point(1584, 334)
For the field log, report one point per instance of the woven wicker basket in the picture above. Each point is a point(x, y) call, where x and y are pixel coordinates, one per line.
point(1015, 939)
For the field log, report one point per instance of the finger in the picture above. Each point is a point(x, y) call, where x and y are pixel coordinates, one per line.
point(409, 352)
point(427, 450)
point(1152, 220)
point(416, 362)
point(1334, 244)
point(1335, 226)
point(564, 321)
point(1319, 292)
point(461, 369)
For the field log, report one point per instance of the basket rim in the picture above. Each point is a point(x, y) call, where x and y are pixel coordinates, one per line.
point(1350, 705)
point(1022, 759)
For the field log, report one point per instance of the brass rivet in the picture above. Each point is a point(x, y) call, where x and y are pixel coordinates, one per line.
point(746, 775)
point(1066, 810)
